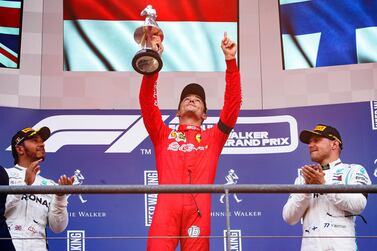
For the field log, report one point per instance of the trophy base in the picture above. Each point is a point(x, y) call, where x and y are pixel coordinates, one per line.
point(147, 62)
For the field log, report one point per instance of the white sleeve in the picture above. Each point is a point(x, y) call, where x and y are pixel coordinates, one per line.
point(353, 203)
point(12, 202)
point(58, 214)
point(296, 205)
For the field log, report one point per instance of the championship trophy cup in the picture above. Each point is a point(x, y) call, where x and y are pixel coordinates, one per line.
point(147, 61)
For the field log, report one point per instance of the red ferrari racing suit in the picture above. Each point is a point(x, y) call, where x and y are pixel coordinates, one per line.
point(187, 155)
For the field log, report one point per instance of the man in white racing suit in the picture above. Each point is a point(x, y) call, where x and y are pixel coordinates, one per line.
point(333, 214)
point(29, 214)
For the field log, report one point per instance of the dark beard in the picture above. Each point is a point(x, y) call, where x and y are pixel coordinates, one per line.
point(34, 156)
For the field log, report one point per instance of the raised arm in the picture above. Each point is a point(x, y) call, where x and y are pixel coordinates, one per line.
point(148, 98)
point(58, 213)
point(232, 99)
point(149, 108)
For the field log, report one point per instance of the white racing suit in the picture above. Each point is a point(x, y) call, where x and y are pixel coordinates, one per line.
point(329, 214)
point(29, 214)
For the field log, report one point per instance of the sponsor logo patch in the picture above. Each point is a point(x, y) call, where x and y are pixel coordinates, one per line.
point(178, 136)
point(174, 146)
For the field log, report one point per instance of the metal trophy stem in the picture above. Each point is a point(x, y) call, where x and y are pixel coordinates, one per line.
point(147, 61)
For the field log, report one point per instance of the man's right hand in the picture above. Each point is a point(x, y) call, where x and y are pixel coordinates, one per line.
point(157, 44)
point(31, 171)
point(313, 174)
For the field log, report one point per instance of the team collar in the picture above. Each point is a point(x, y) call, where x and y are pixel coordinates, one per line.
point(21, 168)
point(331, 164)
point(189, 127)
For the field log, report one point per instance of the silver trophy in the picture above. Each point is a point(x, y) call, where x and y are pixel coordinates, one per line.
point(147, 61)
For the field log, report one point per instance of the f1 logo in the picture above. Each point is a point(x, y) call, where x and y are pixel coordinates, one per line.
point(123, 132)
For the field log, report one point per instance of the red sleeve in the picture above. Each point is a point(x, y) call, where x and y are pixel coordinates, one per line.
point(232, 99)
point(149, 109)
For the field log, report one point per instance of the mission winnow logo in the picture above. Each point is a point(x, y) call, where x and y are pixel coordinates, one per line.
point(150, 179)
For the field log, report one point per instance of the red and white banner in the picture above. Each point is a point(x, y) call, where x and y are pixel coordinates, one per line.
point(98, 34)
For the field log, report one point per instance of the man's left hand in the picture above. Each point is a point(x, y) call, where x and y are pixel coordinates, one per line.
point(64, 180)
point(229, 47)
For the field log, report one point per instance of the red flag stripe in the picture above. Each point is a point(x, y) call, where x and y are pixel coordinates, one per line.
point(10, 17)
point(8, 55)
point(167, 10)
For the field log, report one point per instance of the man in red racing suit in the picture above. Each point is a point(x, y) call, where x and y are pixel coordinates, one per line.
point(188, 155)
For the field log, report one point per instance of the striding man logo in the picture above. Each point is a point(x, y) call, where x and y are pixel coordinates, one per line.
point(79, 179)
point(231, 179)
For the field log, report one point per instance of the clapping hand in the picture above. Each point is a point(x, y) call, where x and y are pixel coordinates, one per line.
point(31, 171)
point(313, 174)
